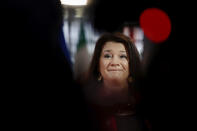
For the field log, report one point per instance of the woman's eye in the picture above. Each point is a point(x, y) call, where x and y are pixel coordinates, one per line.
point(123, 56)
point(107, 56)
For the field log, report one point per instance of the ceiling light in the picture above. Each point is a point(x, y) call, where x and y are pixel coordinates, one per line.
point(74, 2)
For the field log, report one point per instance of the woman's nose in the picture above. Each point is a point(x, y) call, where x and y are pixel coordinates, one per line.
point(115, 61)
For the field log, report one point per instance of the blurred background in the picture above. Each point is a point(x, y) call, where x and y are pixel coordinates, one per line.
point(86, 20)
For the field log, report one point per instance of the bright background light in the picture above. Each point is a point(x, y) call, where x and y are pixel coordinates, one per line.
point(74, 2)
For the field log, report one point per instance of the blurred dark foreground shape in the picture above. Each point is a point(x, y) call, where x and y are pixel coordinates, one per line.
point(37, 87)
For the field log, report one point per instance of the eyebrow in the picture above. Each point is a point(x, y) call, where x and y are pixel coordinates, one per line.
point(111, 50)
point(107, 51)
point(122, 51)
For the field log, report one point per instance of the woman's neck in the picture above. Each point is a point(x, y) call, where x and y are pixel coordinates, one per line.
point(115, 85)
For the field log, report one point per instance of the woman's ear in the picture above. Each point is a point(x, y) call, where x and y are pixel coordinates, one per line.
point(99, 77)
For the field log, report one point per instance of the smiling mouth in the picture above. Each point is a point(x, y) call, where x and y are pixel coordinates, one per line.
point(114, 70)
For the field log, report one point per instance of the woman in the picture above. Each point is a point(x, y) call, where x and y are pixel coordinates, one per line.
point(111, 86)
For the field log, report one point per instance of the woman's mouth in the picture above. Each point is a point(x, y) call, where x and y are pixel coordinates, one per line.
point(114, 70)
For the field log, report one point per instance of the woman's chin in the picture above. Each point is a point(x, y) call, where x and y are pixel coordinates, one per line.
point(116, 80)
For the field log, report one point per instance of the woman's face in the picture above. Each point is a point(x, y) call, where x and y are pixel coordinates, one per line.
point(114, 63)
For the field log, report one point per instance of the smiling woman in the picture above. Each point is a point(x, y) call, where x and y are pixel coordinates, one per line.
point(114, 64)
point(111, 84)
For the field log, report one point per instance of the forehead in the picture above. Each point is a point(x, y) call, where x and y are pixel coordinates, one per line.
point(114, 46)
